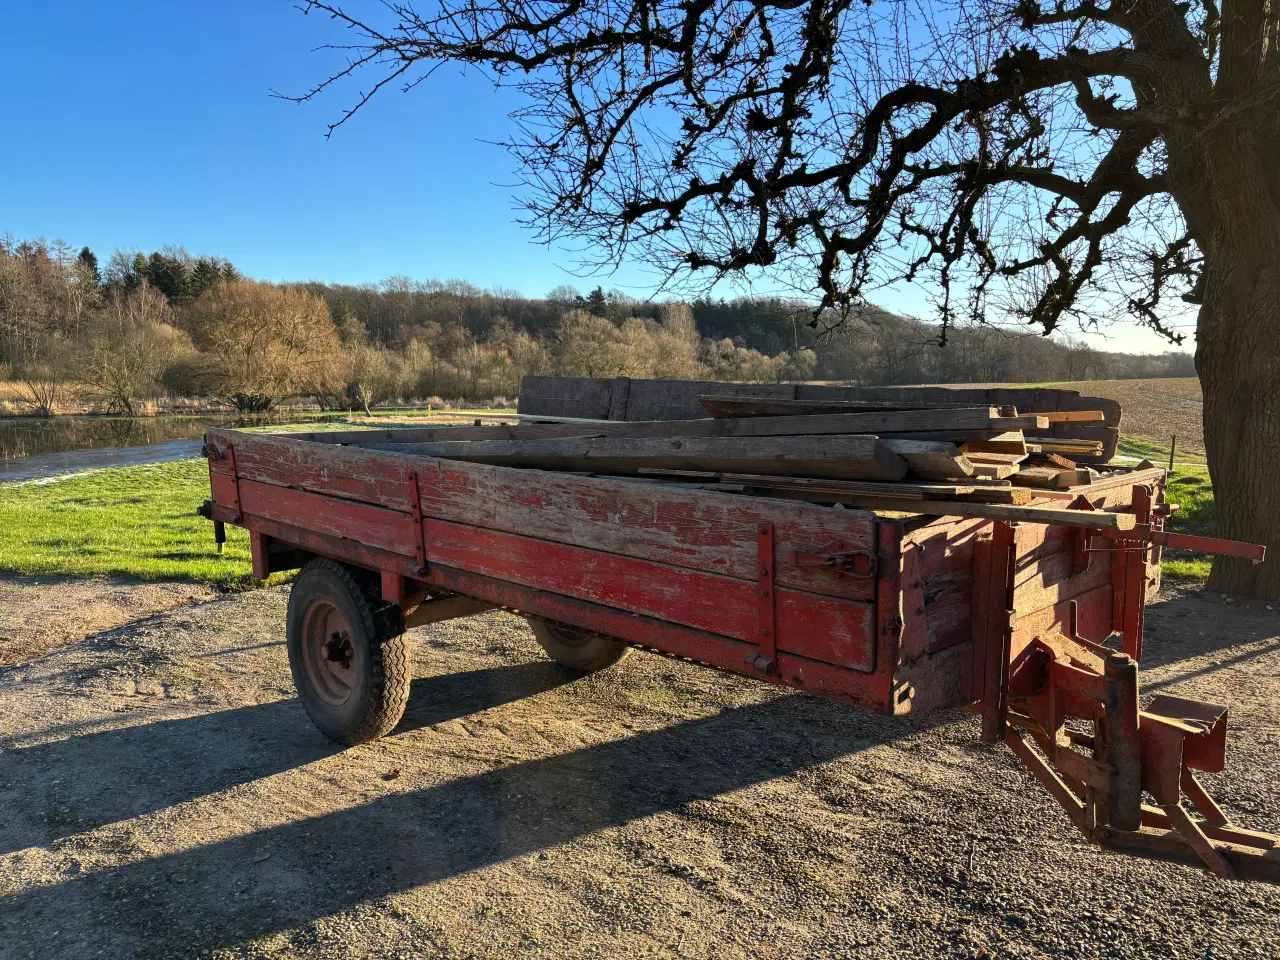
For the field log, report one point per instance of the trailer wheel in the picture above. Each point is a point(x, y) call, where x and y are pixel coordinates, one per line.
point(576, 648)
point(347, 653)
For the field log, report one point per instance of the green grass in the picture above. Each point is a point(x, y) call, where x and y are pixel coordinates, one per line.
point(125, 521)
point(1155, 452)
point(1190, 488)
point(134, 521)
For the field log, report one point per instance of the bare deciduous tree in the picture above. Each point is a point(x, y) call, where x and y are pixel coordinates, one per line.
point(46, 371)
point(124, 350)
point(1033, 159)
point(259, 343)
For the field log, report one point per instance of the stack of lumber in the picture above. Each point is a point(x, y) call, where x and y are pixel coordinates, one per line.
point(909, 457)
point(622, 398)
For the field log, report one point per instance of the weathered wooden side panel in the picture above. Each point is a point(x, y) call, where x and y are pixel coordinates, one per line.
point(1064, 581)
point(694, 529)
point(834, 631)
point(697, 529)
point(690, 559)
point(351, 473)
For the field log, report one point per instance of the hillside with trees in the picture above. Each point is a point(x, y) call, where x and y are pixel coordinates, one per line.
point(168, 323)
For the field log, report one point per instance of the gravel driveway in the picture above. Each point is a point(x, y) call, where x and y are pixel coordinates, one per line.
point(165, 796)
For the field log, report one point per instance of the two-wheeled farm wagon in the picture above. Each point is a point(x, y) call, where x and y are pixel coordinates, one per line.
point(1038, 626)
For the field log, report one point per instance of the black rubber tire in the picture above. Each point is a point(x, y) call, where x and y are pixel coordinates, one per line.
point(377, 653)
point(576, 648)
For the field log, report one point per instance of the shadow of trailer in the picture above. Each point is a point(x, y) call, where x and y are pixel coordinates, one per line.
point(1035, 625)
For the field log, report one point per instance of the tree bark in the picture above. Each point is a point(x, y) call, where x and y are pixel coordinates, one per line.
point(1238, 360)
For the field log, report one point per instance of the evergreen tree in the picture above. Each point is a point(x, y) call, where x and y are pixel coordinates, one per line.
point(140, 271)
point(598, 303)
point(206, 274)
point(168, 275)
point(89, 261)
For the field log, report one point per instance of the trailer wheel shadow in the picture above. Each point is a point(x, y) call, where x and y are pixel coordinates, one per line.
point(130, 771)
point(287, 876)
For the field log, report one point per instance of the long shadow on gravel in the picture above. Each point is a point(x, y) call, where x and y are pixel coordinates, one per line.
point(225, 893)
point(1189, 625)
point(150, 766)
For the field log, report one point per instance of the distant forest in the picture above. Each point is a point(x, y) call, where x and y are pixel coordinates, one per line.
point(145, 325)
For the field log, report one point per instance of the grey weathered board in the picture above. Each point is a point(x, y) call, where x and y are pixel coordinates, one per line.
point(620, 398)
point(844, 457)
point(959, 420)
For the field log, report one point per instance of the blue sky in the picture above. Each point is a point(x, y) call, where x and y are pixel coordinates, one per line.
point(139, 123)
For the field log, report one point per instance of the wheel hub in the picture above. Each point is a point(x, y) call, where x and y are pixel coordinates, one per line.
point(328, 653)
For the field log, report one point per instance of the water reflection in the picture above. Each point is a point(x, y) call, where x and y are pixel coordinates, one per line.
point(32, 436)
point(34, 447)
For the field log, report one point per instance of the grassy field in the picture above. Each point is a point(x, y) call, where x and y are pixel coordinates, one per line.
point(140, 521)
point(130, 521)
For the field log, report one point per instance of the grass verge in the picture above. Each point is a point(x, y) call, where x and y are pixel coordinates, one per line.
point(125, 521)
point(1190, 488)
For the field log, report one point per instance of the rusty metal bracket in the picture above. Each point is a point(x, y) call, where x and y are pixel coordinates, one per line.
point(851, 563)
point(230, 457)
point(764, 660)
point(419, 536)
point(1156, 750)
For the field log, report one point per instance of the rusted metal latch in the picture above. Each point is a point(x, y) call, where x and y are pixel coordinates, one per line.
point(853, 563)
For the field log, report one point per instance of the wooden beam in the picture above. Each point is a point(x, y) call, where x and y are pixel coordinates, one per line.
point(1072, 416)
point(995, 471)
point(1032, 513)
point(1011, 442)
point(1013, 495)
point(1046, 445)
point(910, 422)
point(932, 460)
point(917, 491)
point(723, 407)
point(1007, 459)
point(976, 491)
point(835, 457)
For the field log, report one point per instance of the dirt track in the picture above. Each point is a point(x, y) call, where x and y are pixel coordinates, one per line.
point(164, 796)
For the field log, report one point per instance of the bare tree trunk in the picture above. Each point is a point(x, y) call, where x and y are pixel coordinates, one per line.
point(1238, 360)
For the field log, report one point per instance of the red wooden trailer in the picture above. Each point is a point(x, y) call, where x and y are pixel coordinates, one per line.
point(893, 612)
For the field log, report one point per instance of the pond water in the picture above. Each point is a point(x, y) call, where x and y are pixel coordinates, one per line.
point(34, 447)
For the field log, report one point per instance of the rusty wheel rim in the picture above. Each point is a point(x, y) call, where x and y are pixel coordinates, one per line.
point(328, 653)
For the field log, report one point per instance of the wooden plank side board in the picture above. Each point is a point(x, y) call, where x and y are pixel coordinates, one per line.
point(846, 457)
point(821, 628)
point(349, 473)
point(695, 529)
point(375, 527)
point(702, 530)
